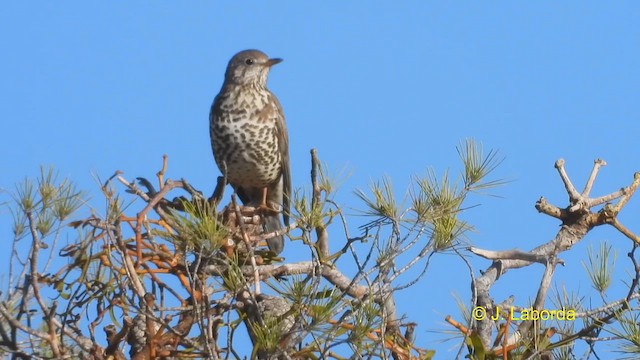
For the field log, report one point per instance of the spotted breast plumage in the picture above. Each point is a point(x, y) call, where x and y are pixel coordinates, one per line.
point(250, 141)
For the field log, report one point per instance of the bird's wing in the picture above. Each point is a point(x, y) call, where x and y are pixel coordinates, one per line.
point(214, 116)
point(283, 142)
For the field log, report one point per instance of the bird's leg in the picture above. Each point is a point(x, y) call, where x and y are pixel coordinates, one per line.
point(263, 203)
point(264, 206)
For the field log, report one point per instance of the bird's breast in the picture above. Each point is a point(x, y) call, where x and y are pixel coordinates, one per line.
point(244, 140)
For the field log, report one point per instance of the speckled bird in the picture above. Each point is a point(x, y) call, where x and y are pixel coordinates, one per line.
point(250, 141)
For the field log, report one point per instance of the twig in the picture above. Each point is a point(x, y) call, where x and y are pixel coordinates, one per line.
point(592, 177)
point(247, 242)
point(544, 207)
point(571, 190)
point(322, 241)
point(163, 170)
point(169, 185)
point(628, 192)
point(512, 255)
point(626, 232)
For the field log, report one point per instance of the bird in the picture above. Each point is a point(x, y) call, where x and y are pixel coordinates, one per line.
point(250, 142)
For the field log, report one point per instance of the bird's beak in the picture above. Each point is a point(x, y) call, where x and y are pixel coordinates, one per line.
point(273, 61)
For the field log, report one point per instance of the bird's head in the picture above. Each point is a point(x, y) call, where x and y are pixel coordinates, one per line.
point(248, 67)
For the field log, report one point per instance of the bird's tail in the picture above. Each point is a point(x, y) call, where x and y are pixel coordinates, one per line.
point(271, 224)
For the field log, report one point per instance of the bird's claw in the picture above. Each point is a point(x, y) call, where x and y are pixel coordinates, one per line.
point(266, 210)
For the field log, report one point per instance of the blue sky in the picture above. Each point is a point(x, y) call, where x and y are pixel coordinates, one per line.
point(378, 88)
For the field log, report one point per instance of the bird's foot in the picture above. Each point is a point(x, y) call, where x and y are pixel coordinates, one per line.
point(267, 210)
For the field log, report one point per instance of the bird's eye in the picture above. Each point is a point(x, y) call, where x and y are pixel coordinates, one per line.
point(249, 61)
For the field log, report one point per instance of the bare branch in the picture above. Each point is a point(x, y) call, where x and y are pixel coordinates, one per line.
point(571, 190)
point(597, 164)
point(512, 255)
